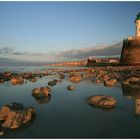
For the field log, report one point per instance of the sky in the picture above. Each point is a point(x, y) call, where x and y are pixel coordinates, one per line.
point(47, 31)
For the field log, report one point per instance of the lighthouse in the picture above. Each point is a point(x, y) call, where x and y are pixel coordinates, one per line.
point(137, 22)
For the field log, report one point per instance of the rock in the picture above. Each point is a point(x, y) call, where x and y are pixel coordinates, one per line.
point(7, 74)
point(71, 88)
point(1, 80)
point(85, 75)
point(57, 81)
point(61, 76)
point(96, 80)
point(14, 115)
point(16, 81)
point(125, 82)
point(54, 82)
point(75, 77)
point(102, 101)
point(131, 80)
point(51, 83)
point(40, 76)
point(41, 92)
point(105, 77)
point(33, 79)
point(110, 83)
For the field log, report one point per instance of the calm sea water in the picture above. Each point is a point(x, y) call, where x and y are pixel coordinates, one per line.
point(68, 115)
point(32, 68)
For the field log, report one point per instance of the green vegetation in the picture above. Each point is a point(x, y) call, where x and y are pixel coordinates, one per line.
point(138, 16)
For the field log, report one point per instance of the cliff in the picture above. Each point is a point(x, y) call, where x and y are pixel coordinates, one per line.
point(70, 63)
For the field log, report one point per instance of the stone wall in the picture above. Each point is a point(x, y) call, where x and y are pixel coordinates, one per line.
point(130, 51)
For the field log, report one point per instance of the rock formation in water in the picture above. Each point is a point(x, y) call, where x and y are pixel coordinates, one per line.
point(102, 101)
point(15, 115)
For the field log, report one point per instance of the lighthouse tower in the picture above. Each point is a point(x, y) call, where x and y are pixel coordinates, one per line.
point(137, 21)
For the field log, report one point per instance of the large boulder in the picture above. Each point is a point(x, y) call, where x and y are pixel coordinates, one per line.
point(41, 92)
point(15, 115)
point(102, 101)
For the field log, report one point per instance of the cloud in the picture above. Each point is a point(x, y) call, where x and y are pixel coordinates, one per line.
point(111, 50)
point(11, 56)
point(6, 50)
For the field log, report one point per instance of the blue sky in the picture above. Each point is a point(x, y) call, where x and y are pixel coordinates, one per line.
point(53, 27)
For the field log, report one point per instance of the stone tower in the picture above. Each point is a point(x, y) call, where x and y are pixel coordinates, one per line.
point(130, 54)
point(137, 21)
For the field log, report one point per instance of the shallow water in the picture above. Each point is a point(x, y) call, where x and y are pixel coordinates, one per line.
point(32, 68)
point(68, 115)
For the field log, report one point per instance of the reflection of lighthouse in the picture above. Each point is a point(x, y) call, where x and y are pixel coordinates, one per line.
point(133, 92)
point(137, 21)
point(137, 106)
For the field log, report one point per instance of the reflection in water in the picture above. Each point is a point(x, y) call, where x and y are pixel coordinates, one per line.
point(43, 100)
point(75, 82)
point(133, 92)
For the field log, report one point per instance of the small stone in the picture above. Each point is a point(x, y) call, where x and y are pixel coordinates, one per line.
point(51, 83)
point(62, 76)
point(33, 80)
point(110, 83)
point(96, 81)
point(54, 82)
point(75, 77)
point(57, 81)
point(71, 88)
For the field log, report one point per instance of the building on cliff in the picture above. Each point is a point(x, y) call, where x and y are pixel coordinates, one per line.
point(130, 54)
point(70, 63)
point(93, 61)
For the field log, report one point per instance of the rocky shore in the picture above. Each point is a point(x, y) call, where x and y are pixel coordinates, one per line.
point(15, 115)
point(107, 75)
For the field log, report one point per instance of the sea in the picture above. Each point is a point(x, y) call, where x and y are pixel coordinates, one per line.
point(66, 114)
